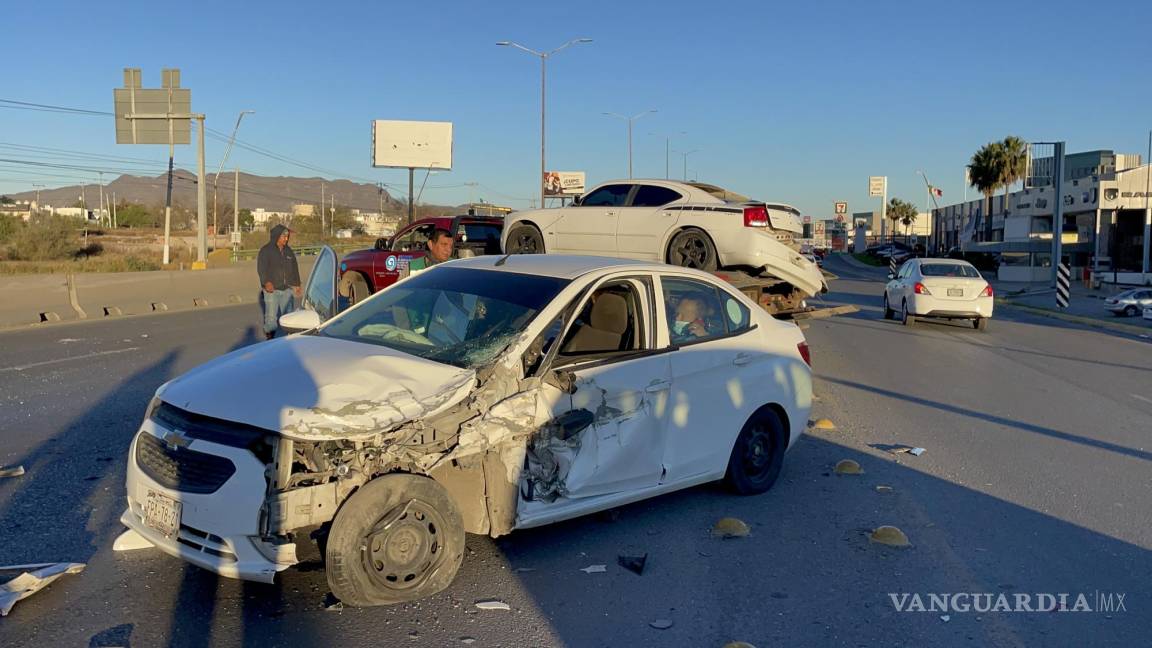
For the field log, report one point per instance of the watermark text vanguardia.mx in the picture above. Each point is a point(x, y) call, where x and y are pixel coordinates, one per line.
point(1097, 601)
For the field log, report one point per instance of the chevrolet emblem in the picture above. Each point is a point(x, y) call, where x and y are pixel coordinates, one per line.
point(175, 440)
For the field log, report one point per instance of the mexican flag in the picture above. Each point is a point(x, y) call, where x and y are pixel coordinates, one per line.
point(935, 191)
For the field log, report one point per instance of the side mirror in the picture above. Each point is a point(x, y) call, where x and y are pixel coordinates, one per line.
point(891, 276)
point(300, 320)
point(382, 244)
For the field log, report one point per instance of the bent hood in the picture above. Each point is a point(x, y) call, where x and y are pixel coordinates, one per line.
point(312, 388)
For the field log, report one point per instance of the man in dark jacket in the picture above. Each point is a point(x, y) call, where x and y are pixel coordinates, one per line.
point(279, 278)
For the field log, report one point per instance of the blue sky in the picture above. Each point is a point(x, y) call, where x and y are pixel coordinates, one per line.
point(796, 102)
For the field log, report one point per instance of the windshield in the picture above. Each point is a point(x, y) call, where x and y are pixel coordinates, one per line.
point(949, 270)
point(457, 316)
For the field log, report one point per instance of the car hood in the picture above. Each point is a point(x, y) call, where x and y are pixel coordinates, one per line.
point(314, 388)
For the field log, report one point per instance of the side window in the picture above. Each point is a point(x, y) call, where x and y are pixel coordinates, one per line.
point(652, 196)
point(482, 237)
point(610, 321)
point(696, 311)
point(415, 239)
point(607, 196)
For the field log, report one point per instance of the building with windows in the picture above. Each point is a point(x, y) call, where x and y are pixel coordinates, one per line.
point(1105, 226)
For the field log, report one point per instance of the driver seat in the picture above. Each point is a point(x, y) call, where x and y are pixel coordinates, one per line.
point(608, 321)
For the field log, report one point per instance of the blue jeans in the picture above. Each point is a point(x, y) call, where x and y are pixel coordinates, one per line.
point(276, 303)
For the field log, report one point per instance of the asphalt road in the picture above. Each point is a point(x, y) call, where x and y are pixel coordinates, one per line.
point(1035, 479)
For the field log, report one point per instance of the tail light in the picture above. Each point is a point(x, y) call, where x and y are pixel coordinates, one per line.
point(921, 289)
point(756, 216)
point(987, 291)
point(805, 353)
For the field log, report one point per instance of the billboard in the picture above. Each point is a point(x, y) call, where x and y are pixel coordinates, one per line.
point(155, 102)
point(877, 185)
point(563, 183)
point(412, 144)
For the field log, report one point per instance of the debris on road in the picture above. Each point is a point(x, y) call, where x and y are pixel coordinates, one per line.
point(823, 424)
point(661, 624)
point(848, 467)
point(521, 570)
point(634, 564)
point(12, 472)
point(916, 452)
point(467, 640)
point(889, 535)
point(945, 618)
point(493, 604)
point(730, 528)
point(902, 449)
point(880, 488)
point(131, 540)
point(738, 644)
point(35, 578)
point(594, 569)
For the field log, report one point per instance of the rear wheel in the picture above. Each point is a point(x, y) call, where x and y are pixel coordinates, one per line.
point(399, 538)
point(906, 318)
point(758, 455)
point(525, 239)
point(980, 323)
point(692, 248)
point(888, 312)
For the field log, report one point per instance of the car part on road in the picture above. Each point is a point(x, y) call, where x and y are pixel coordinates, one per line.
point(823, 424)
point(730, 527)
point(594, 569)
point(890, 536)
point(661, 624)
point(398, 538)
point(525, 239)
point(493, 604)
point(35, 578)
point(130, 541)
point(692, 248)
point(848, 467)
point(12, 472)
point(634, 564)
point(758, 454)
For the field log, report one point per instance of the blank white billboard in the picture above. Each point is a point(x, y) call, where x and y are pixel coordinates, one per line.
point(412, 144)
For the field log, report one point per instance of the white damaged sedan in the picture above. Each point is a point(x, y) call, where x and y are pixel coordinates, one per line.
point(481, 396)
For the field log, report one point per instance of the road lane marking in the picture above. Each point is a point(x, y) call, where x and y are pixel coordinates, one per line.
point(69, 359)
point(1139, 397)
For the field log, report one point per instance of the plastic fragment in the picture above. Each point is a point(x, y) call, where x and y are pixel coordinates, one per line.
point(493, 604)
point(730, 528)
point(12, 472)
point(661, 624)
point(848, 467)
point(594, 569)
point(889, 535)
point(30, 582)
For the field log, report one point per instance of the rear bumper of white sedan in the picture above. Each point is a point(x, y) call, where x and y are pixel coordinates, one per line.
point(933, 306)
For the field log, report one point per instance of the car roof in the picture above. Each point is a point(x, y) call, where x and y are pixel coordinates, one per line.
point(561, 266)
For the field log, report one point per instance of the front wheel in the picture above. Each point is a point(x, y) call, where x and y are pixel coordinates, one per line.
point(758, 455)
point(1130, 311)
point(692, 248)
point(399, 538)
point(525, 239)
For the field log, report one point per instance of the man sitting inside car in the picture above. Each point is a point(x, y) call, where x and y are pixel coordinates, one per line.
point(688, 323)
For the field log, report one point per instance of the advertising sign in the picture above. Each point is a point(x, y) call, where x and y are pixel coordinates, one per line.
point(412, 144)
point(877, 185)
point(563, 183)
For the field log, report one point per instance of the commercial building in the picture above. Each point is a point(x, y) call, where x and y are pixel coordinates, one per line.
point(1105, 226)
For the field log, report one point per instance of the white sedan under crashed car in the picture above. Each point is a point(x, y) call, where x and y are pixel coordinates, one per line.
point(482, 395)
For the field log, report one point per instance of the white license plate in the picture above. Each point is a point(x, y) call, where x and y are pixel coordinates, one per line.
point(162, 513)
point(955, 292)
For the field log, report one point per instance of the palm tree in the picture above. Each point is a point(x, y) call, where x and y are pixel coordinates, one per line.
point(985, 176)
point(900, 211)
point(1013, 163)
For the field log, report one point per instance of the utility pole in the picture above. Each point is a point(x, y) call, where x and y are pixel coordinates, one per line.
point(1058, 209)
point(411, 195)
point(216, 178)
point(38, 188)
point(685, 155)
point(101, 174)
point(323, 202)
point(236, 210)
point(115, 221)
point(201, 201)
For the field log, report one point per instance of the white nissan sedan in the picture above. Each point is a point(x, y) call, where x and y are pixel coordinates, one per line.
point(480, 396)
point(938, 288)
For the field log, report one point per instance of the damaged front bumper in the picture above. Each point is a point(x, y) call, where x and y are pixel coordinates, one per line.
point(219, 530)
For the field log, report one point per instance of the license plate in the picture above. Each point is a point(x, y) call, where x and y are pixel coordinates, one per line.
point(955, 292)
point(162, 513)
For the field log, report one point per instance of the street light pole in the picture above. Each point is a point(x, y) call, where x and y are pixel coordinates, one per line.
point(629, 120)
point(685, 155)
point(216, 178)
point(38, 188)
point(543, 56)
point(667, 152)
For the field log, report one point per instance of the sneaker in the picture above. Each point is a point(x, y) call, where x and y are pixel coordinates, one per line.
point(269, 335)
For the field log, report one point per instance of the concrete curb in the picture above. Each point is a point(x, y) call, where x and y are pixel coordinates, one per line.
point(1086, 321)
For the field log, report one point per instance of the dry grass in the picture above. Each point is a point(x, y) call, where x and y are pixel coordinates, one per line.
point(102, 263)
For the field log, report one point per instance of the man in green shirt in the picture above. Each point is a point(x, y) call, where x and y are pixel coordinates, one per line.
point(439, 251)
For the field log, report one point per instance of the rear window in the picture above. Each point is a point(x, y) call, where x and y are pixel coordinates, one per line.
point(481, 235)
point(949, 270)
point(653, 196)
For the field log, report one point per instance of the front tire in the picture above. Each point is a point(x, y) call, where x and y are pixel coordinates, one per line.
point(525, 239)
point(399, 538)
point(691, 248)
point(758, 455)
point(1130, 311)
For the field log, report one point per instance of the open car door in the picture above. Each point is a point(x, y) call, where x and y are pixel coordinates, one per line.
point(319, 302)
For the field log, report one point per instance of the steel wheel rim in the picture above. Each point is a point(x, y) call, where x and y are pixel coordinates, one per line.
point(692, 250)
point(410, 548)
point(758, 451)
point(526, 243)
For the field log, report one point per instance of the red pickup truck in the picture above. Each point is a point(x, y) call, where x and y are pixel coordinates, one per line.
point(364, 272)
